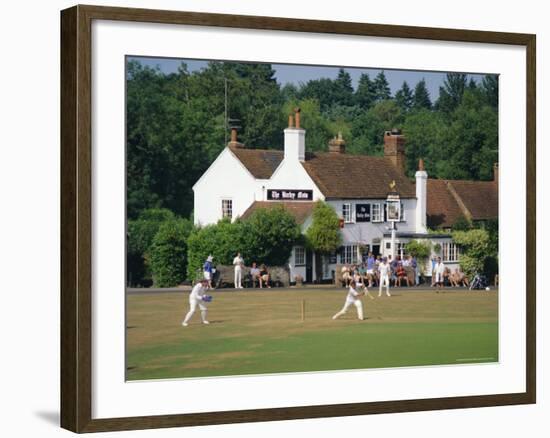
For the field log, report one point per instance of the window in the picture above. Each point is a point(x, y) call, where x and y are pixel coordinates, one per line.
point(376, 212)
point(227, 208)
point(402, 214)
point(400, 248)
point(346, 213)
point(332, 257)
point(348, 254)
point(299, 256)
point(451, 252)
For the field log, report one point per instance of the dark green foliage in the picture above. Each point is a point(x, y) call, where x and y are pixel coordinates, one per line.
point(222, 241)
point(323, 235)
point(381, 87)
point(267, 236)
point(450, 94)
point(462, 224)
point(140, 235)
point(421, 98)
point(420, 250)
point(169, 253)
point(365, 94)
point(404, 97)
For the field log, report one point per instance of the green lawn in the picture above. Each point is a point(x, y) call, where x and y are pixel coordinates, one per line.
point(262, 332)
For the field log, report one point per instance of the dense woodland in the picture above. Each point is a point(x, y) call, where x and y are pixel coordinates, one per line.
point(176, 123)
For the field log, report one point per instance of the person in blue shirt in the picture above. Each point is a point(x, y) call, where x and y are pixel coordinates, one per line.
point(208, 271)
point(371, 261)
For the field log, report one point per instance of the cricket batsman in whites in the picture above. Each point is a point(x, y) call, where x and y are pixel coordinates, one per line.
point(198, 297)
point(353, 298)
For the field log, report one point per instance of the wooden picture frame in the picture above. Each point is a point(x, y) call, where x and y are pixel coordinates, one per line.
point(76, 217)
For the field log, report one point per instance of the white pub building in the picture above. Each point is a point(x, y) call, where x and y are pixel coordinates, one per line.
point(242, 180)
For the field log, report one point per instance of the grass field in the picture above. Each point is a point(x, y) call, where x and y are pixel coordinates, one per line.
point(254, 332)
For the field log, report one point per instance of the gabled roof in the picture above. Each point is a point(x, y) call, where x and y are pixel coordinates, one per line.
point(342, 176)
point(346, 176)
point(261, 163)
point(448, 200)
point(299, 210)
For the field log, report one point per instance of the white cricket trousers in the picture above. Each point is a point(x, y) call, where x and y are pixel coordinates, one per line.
point(384, 279)
point(238, 277)
point(357, 303)
point(193, 303)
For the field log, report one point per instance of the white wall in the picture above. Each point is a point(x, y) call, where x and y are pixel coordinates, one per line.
point(226, 178)
point(365, 232)
point(29, 177)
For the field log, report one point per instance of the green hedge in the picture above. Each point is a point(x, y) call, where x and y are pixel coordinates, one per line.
point(169, 253)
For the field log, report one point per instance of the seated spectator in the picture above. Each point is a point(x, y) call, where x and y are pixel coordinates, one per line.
point(401, 275)
point(461, 279)
point(346, 275)
point(254, 274)
point(447, 276)
point(264, 276)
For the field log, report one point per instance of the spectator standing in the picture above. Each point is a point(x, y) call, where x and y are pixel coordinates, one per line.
point(439, 271)
point(370, 268)
point(238, 263)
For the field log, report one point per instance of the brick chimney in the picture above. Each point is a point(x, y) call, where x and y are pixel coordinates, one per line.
point(295, 138)
point(337, 145)
point(234, 142)
point(394, 148)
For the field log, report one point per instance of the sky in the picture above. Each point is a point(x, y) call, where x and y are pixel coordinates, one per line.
point(296, 74)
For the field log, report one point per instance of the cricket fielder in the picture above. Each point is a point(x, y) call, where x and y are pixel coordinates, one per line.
point(238, 262)
point(197, 297)
point(353, 298)
point(384, 269)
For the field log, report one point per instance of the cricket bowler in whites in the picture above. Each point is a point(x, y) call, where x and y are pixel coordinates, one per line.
point(353, 298)
point(197, 298)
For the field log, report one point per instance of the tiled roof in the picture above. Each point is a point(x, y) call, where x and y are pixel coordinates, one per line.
point(348, 176)
point(342, 176)
point(442, 210)
point(479, 197)
point(479, 200)
point(261, 163)
point(300, 210)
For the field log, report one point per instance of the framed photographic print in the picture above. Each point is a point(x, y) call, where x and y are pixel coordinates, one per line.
point(268, 218)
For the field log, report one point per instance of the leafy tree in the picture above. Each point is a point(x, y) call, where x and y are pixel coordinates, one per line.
point(404, 97)
point(269, 236)
point(322, 90)
point(323, 235)
point(420, 250)
point(475, 250)
point(365, 95)
point(169, 253)
point(421, 99)
point(222, 241)
point(489, 88)
point(462, 224)
point(450, 94)
point(343, 88)
point(140, 235)
point(424, 131)
point(381, 87)
point(318, 128)
point(470, 144)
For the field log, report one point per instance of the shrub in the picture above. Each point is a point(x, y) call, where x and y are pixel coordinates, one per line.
point(475, 248)
point(140, 235)
point(168, 253)
point(324, 233)
point(222, 240)
point(419, 250)
point(269, 235)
